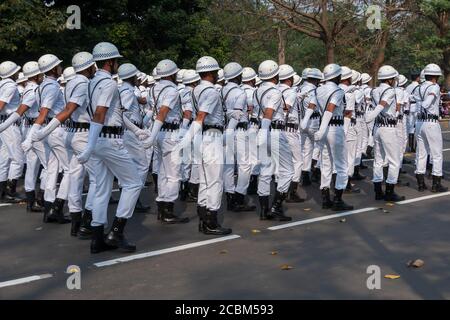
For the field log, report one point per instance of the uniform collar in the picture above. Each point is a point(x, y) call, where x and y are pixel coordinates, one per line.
point(284, 86)
point(384, 85)
point(206, 83)
point(83, 77)
point(231, 84)
point(103, 73)
point(268, 84)
point(167, 82)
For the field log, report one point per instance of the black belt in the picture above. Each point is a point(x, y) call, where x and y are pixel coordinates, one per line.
point(170, 126)
point(28, 122)
point(242, 125)
point(315, 115)
point(254, 121)
point(359, 114)
point(336, 121)
point(386, 122)
point(400, 117)
point(111, 132)
point(209, 127)
point(291, 127)
point(278, 125)
point(78, 126)
point(427, 117)
point(352, 122)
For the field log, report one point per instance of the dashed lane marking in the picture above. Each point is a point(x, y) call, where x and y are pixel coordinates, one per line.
point(15, 282)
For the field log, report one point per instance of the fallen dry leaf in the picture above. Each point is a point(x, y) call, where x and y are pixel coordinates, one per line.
point(256, 231)
point(343, 220)
point(307, 209)
point(385, 211)
point(286, 267)
point(274, 253)
point(223, 251)
point(38, 229)
point(392, 276)
point(418, 263)
point(390, 204)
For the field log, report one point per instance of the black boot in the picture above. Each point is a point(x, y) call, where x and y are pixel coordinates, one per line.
point(240, 205)
point(85, 231)
point(362, 166)
point(350, 189)
point(378, 187)
point(169, 218)
point(32, 204)
point(230, 201)
point(2, 190)
point(116, 238)
point(160, 205)
point(201, 212)
point(411, 143)
point(421, 186)
point(76, 222)
point(315, 175)
point(306, 181)
point(437, 186)
point(253, 185)
point(40, 198)
point(11, 195)
point(385, 173)
point(47, 208)
point(338, 203)
point(192, 192)
point(98, 240)
point(429, 168)
point(277, 207)
point(155, 181)
point(369, 152)
point(326, 200)
point(293, 196)
point(357, 175)
point(264, 208)
point(212, 226)
point(56, 213)
point(391, 195)
point(184, 190)
point(140, 207)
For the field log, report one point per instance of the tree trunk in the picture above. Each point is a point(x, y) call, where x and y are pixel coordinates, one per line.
point(379, 59)
point(330, 51)
point(282, 33)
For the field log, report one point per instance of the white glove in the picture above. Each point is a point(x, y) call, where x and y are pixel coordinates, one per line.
point(148, 117)
point(151, 140)
point(185, 124)
point(195, 128)
point(305, 120)
point(134, 128)
point(38, 135)
point(370, 116)
point(228, 137)
point(13, 117)
point(181, 133)
point(27, 144)
point(319, 135)
point(263, 133)
point(347, 122)
point(94, 131)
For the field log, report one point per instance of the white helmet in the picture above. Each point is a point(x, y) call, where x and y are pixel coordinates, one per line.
point(127, 70)
point(180, 75)
point(297, 80)
point(387, 72)
point(150, 80)
point(47, 62)
point(365, 78)
point(286, 72)
point(248, 74)
point(21, 78)
point(331, 71)
point(105, 51)
point(346, 73)
point(61, 80)
point(305, 73)
point(142, 77)
point(432, 70)
point(220, 75)
point(232, 70)
point(190, 76)
point(258, 81)
point(268, 69)
point(314, 73)
point(402, 80)
point(166, 68)
point(205, 64)
point(31, 69)
point(155, 74)
point(69, 73)
point(8, 68)
point(82, 60)
point(422, 76)
point(356, 76)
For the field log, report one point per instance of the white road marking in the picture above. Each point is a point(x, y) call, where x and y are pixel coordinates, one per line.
point(5, 204)
point(424, 198)
point(331, 216)
point(24, 280)
point(164, 251)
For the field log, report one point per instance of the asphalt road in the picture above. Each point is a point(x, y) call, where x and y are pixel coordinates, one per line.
point(326, 256)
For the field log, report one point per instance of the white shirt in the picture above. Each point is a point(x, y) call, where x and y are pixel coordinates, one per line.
point(76, 91)
point(130, 103)
point(165, 93)
point(29, 99)
point(10, 95)
point(412, 89)
point(249, 92)
point(306, 95)
point(349, 98)
point(50, 96)
point(384, 92)
point(103, 92)
point(268, 96)
point(431, 95)
point(235, 102)
point(186, 101)
point(207, 99)
point(327, 93)
point(290, 99)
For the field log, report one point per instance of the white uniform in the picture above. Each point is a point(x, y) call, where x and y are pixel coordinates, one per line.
point(412, 90)
point(428, 129)
point(253, 128)
point(110, 158)
point(361, 127)
point(351, 137)
point(402, 99)
point(367, 128)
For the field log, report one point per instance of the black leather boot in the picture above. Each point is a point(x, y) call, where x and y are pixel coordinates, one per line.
point(2, 191)
point(326, 200)
point(356, 175)
point(201, 212)
point(240, 205)
point(264, 208)
point(47, 208)
point(56, 213)
point(437, 186)
point(160, 205)
point(11, 195)
point(184, 190)
point(315, 175)
point(333, 181)
point(192, 192)
point(421, 186)
point(293, 196)
point(253, 185)
point(338, 203)
point(140, 207)
point(40, 198)
point(391, 195)
point(230, 201)
point(169, 218)
point(155, 181)
point(212, 226)
point(85, 231)
point(32, 204)
point(76, 222)
point(362, 166)
point(98, 240)
point(351, 189)
point(116, 238)
point(429, 167)
point(306, 180)
point(277, 211)
point(369, 152)
point(411, 143)
point(378, 187)
point(385, 173)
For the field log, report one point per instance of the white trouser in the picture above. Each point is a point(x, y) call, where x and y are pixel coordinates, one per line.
point(365, 135)
point(386, 151)
point(211, 170)
point(59, 158)
point(309, 147)
point(351, 144)
point(169, 172)
point(334, 158)
point(110, 158)
point(253, 148)
point(411, 122)
point(137, 153)
point(33, 165)
point(194, 158)
point(297, 158)
point(403, 136)
point(275, 158)
point(361, 134)
point(243, 161)
point(429, 142)
point(156, 159)
point(77, 171)
point(11, 150)
point(229, 152)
